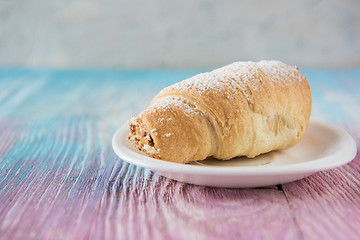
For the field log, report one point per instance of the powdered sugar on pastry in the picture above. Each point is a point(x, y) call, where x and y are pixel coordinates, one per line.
point(242, 109)
point(279, 72)
point(171, 101)
point(246, 76)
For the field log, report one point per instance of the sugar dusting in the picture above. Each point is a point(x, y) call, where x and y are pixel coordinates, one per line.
point(279, 72)
point(205, 82)
point(169, 102)
point(246, 76)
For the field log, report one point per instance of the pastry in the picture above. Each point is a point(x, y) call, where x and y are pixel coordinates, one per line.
point(242, 109)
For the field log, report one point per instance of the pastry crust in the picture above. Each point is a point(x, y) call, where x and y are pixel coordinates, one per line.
point(242, 109)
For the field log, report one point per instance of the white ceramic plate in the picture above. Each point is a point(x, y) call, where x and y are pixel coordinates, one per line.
point(324, 146)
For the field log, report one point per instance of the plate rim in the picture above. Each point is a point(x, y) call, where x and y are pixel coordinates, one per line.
point(343, 156)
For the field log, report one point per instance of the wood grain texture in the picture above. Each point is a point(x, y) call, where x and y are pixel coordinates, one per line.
point(59, 178)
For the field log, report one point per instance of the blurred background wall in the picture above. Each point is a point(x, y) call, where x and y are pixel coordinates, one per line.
point(178, 34)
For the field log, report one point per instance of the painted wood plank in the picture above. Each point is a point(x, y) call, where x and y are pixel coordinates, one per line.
point(59, 178)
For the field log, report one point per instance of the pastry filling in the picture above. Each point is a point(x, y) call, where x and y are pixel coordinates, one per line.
point(141, 139)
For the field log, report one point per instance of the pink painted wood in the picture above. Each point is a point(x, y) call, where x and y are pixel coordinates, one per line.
point(59, 178)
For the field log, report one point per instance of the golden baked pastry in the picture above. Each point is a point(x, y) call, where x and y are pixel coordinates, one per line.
point(242, 109)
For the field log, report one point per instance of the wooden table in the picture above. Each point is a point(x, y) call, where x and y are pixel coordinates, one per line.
point(60, 179)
